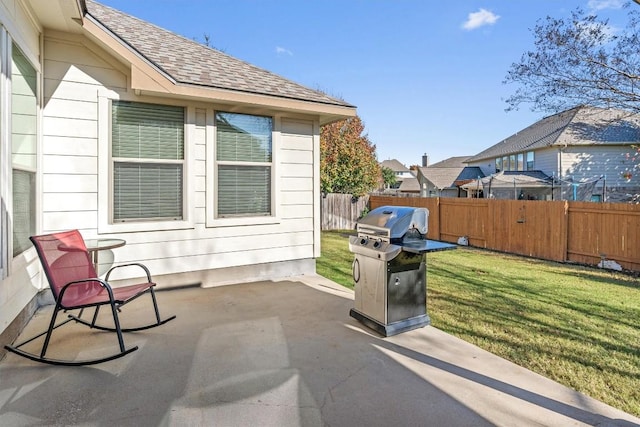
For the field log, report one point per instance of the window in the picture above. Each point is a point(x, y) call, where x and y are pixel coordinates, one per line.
point(24, 124)
point(512, 163)
point(147, 149)
point(505, 163)
point(520, 161)
point(498, 164)
point(530, 158)
point(243, 165)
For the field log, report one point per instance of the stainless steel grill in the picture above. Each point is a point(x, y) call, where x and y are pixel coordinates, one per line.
point(389, 269)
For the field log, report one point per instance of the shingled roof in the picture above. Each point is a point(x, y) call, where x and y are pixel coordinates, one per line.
point(441, 177)
point(191, 63)
point(451, 162)
point(507, 179)
point(394, 165)
point(577, 126)
point(450, 172)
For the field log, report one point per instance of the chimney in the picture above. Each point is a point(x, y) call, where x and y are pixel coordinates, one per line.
point(425, 160)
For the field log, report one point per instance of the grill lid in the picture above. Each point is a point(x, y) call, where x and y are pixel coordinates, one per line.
point(394, 222)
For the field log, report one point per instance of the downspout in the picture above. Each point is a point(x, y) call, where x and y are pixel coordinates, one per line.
point(560, 162)
point(560, 177)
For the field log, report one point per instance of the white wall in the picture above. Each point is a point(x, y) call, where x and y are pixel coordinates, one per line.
point(77, 75)
point(22, 282)
point(546, 160)
point(584, 163)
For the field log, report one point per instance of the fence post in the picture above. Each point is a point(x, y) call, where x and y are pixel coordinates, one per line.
point(438, 222)
point(565, 232)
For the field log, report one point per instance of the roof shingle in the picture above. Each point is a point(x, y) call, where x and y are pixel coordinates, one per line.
point(192, 63)
point(577, 126)
point(394, 165)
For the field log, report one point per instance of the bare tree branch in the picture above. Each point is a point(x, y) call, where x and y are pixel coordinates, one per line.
point(579, 61)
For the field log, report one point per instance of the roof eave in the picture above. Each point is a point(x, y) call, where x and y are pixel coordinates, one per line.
point(60, 15)
point(149, 79)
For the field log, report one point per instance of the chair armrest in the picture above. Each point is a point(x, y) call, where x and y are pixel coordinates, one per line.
point(103, 283)
point(134, 264)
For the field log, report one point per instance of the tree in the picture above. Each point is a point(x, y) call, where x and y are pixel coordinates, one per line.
point(348, 161)
point(579, 61)
point(388, 176)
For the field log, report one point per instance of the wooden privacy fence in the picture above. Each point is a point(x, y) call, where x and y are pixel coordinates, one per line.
point(581, 232)
point(341, 211)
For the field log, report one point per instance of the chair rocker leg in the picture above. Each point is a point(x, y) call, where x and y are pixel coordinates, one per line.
point(61, 362)
point(158, 321)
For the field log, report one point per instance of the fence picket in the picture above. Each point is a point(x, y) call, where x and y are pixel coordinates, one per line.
point(341, 211)
point(580, 232)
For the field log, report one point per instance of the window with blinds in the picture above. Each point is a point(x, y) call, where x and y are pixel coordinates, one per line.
point(147, 150)
point(24, 130)
point(530, 163)
point(243, 165)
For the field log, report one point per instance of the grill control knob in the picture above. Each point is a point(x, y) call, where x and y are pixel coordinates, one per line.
point(377, 244)
point(363, 241)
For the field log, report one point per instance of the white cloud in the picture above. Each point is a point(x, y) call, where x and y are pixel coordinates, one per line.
point(281, 51)
point(605, 4)
point(479, 19)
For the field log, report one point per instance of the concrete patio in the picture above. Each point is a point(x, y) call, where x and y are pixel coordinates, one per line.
point(280, 354)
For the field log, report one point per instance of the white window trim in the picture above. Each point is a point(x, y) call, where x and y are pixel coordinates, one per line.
point(10, 35)
point(5, 156)
point(211, 174)
point(105, 174)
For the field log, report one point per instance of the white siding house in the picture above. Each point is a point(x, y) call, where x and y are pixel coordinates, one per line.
point(401, 171)
point(224, 156)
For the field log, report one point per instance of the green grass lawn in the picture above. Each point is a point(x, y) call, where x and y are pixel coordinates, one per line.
point(579, 326)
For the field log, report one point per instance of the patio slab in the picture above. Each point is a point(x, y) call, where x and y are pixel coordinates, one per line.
point(283, 353)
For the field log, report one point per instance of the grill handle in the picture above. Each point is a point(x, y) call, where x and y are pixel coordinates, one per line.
point(354, 266)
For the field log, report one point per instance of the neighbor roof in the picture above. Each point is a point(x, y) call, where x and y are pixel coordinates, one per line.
point(188, 62)
point(451, 162)
point(521, 179)
point(577, 126)
point(441, 177)
point(394, 165)
point(450, 172)
point(409, 185)
point(470, 172)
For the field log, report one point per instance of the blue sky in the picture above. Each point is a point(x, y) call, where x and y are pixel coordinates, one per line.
point(425, 75)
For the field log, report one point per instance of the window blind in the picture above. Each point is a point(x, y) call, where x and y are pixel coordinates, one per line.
point(142, 137)
point(147, 191)
point(243, 138)
point(24, 214)
point(244, 155)
point(24, 109)
point(147, 131)
point(244, 190)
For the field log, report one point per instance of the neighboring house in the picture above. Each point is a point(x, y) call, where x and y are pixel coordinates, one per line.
point(401, 171)
point(579, 154)
point(206, 165)
point(409, 186)
point(446, 178)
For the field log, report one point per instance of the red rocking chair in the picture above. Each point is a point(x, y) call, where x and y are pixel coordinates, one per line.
point(75, 285)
